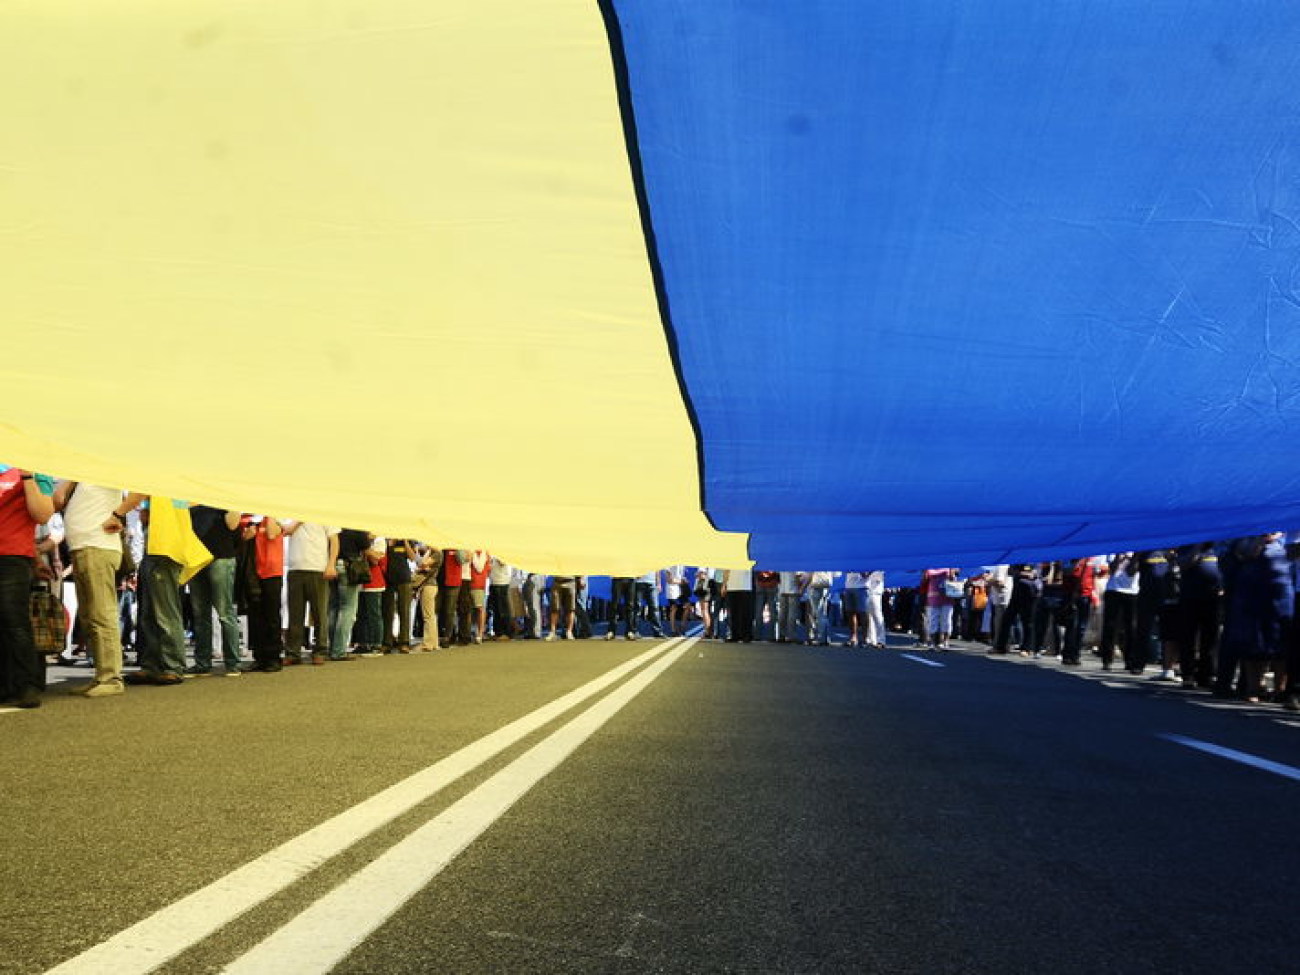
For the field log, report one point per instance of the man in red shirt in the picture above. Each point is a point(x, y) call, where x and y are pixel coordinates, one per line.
point(1080, 591)
point(26, 500)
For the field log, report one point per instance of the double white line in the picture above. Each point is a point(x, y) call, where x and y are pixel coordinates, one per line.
point(320, 937)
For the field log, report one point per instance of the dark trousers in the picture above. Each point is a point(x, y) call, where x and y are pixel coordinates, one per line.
point(21, 666)
point(499, 606)
point(622, 604)
point(308, 589)
point(370, 622)
point(397, 602)
point(162, 631)
point(1022, 609)
point(265, 632)
point(740, 610)
point(1198, 639)
point(1075, 618)
point(448, 597)
point(1048, 613)
point(1146, 631)
point(1120, 622)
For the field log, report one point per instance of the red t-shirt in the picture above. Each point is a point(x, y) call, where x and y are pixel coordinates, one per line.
point(17, 529)
point(378, 582)
point(270, 554)
point(478, 577)
point(452, 570)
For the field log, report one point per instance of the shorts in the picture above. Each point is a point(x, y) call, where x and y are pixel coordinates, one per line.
point(563, 597)
point(854, 601)
point(478, 597)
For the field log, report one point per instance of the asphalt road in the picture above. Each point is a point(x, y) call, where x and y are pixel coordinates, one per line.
point(753, 808)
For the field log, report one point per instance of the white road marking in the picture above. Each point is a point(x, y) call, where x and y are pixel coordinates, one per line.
point(331, 928)
point(922, 660)
point(149, 943)
point(1245, 758)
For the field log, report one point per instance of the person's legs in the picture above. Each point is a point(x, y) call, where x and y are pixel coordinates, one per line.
point(318, 595)
point(221, 575)
point(429, 612)
point(345, 618)
point(201, 605)
point(165, 600)
point(876, 617)
point(745, 616)
point(270, 630)
point(95, 576)
point(389, 610)
point(22, 669)
point(403, 593)
point(298, 582)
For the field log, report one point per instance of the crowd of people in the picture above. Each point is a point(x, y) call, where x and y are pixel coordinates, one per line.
point(155, 577)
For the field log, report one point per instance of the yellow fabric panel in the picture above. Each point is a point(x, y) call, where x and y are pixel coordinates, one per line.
point(374, 263)
point(171, 533)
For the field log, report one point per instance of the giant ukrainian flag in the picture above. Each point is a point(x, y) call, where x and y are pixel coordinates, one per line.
point(604, 286)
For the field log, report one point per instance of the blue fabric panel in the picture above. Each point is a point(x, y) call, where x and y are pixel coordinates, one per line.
point(963, 282)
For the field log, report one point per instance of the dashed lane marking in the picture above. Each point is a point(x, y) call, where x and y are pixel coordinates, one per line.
point(922, 660)
point(1244, 758)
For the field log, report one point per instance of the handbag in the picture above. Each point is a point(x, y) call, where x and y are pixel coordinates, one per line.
point(357, 570)
point(49, 622)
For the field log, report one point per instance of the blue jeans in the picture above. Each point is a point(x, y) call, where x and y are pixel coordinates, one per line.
point(344, 616)
point(214, 588)
point(818, 605)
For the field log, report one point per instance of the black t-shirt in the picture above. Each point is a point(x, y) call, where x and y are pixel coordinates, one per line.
point(399, 569)
point(210, 525)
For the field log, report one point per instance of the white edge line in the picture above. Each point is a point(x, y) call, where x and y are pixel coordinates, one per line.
point(163, 935)
point(330, 929)
point(1277, 768)
point(922, 660)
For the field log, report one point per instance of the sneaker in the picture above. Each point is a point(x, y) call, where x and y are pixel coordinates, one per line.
point(477, 638)
point(568, 634)
point(610, 634)
point(550, 637)
point(197, 671)
point(104, 688)
point(631, 636)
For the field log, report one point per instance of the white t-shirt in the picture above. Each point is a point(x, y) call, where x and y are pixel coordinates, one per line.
point(500, 574)
point(876, 582)
point(309, 548)
point(84, 517)
point(740, 580)
point(789, 583)
point(855, 580)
